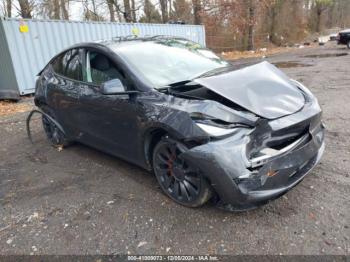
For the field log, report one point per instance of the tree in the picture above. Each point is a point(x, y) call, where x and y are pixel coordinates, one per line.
point(8, 8)
point(64, 9)
point(164, 10)
point(250, 20)
point(151, 14)
point(182, 11)
point(127, 11)
point(321, 6)
point(26, 8)
point(110, 4)
point(197, 10)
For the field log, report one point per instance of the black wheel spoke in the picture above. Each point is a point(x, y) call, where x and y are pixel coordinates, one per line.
point(164, 153)
point(190, 188)
point(184, 191)
point(178, 179)
point(193, 180)
point(167, 180)
point(163, 162)
point(177, 188)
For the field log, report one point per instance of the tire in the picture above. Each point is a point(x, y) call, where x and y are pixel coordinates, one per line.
point(53, 133)
point(178, 180)
point(348, 44)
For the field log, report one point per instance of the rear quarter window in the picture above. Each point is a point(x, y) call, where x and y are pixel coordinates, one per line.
point(69, 65)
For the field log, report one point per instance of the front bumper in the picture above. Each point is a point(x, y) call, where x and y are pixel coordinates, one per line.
point(241, 187)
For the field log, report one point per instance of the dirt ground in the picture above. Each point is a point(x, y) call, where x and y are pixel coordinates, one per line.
point(82, 201)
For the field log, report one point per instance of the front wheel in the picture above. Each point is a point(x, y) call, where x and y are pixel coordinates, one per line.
point(178, 179)
point(348, 44)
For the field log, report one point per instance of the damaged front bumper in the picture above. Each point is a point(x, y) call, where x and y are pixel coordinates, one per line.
point(242, 181)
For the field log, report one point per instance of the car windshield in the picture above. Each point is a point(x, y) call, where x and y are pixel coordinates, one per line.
point(169, 61)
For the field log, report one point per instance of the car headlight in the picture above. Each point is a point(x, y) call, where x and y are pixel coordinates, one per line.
point(216, 131)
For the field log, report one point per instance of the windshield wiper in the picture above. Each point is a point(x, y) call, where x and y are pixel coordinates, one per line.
point(174, 85)
point(215, 71)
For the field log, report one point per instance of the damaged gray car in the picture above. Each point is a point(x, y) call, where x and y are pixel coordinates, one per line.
point(207, 129)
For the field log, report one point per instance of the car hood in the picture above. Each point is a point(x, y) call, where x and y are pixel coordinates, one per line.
point(261, 89)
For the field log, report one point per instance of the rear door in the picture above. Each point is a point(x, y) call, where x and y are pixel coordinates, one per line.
point(64, 88)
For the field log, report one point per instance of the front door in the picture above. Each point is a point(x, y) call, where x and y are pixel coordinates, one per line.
point(108, 122)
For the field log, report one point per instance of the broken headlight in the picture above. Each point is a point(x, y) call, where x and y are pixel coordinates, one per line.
point(217, 128)
point(215, 131)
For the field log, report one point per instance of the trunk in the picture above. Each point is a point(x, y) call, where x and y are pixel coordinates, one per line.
point(64, 10)
point(251, 11)
point(94, 7)
point(133, 11)
point(261, 89)
point(111, 10)
point(8, 8)
point(170, 10)
point(25, 9)
point(318, 21)
point(164, 10)
point(56, 9)
point(117, 8)
point(127, 11)
point(197, 10)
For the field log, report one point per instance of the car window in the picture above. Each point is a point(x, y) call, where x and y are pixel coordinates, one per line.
point(69, 65)
point(100, 69)
point(57, 65)
point(73, 66)
point(164, 62)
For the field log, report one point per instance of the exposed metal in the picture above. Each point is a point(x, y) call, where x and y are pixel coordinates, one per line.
point(28, 45)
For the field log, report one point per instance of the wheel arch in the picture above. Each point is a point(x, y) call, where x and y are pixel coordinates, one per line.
point(151, 138)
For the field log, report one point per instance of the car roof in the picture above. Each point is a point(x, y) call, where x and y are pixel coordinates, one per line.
point(126, 40)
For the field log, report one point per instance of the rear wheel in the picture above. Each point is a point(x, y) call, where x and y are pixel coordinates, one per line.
point(53, 133)
point(178, 179)
point(348, 44)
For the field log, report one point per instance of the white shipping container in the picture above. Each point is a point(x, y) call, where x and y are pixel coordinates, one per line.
point(26, 46)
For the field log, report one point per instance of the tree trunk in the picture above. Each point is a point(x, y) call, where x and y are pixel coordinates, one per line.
point(64, 10)
point(127, 11)
point(133, 11)
point(251, 12)
point(164, 10)
point(8, 8)
point(111, 10)
point(273, 21)
point(197, 9)
point(318, 21)
point(26, 9)
point(56, 9)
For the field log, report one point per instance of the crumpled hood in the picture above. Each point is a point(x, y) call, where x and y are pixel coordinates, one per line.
point(261, 88)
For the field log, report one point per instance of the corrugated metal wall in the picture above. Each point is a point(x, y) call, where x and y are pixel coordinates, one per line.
point(8, 83)
point(30, 51)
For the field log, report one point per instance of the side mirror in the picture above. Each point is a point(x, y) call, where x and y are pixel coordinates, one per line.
point(114, 87)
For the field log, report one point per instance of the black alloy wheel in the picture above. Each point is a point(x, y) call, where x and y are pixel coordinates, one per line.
point(177, 178)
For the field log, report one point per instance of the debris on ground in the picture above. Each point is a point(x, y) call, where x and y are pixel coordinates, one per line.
point(10, 107)
point(142, 243)
point(262, 52)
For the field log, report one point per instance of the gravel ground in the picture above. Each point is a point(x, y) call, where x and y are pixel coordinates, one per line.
point(81, 201)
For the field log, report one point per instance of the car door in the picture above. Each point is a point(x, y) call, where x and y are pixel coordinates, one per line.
point(64, 89)
point(107, 122)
